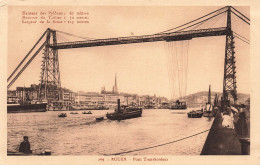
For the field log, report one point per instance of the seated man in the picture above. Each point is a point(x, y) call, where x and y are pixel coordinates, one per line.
point(25, 146)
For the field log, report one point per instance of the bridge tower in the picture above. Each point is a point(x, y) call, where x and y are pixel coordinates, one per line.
point(50, 84)
point(229, 83)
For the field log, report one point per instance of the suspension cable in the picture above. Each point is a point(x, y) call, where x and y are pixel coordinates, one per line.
point(241, 18)
point(208, 24)
point(166, 47)
point(187, 65)
point(242, 36)
point(172, 73)
point(201, 21)
point(26, 56)
point(26, 65)
point(241, 13)
point(86, 38)
point(242, 39)
point(217, 20)
point(193, 20)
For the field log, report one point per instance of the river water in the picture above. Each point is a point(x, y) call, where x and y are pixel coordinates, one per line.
point(81, 134)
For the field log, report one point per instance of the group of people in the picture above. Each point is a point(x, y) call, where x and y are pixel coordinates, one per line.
point(228, 119)
point(237, 119)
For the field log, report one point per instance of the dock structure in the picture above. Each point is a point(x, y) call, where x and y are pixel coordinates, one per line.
point(221, 140)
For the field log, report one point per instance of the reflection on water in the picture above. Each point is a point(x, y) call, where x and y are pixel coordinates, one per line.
point(81, 134)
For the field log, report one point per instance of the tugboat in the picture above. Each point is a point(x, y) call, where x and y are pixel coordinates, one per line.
point(208, 112)
point(195, 114)
point(124, 112)
point(178, 105)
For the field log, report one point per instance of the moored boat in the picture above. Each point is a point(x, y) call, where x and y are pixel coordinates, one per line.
point(25, 104)
point(124, 112)
point(89, 112)
point(99, 118)
point(178, 105)
point(208, 114)
point(26, 107)
point(195, 114)
point(16, 153)
point(62, 115)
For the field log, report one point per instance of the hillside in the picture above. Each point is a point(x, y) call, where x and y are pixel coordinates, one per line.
point(200, 98)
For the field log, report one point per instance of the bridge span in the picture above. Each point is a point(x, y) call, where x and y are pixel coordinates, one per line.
point(174, 36)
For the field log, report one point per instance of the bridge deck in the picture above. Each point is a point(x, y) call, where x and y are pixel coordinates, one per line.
point(174, 36)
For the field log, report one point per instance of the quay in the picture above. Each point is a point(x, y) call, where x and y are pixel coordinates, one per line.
point(221, 140)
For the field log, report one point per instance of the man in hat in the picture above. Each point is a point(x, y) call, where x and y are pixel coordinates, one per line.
point(25, 146)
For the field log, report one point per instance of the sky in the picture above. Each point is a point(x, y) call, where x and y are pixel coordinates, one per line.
point(140, 68)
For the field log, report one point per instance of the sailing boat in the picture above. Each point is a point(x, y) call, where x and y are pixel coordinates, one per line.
point(209, 107)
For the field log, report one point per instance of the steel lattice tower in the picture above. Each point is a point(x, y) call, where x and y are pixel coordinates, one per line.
point(229, 84)
point(50, 84)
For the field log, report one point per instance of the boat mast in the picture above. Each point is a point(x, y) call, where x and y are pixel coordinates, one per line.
point(216, 100)
point(209, 95)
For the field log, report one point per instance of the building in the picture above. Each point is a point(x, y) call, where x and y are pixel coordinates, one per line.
point(32, 94)
point(88, 98)
point(28, 93)
point(11, 96)
point(91, 98)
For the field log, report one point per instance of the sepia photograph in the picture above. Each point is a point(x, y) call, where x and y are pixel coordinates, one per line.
point(128, 83)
